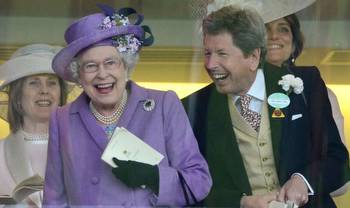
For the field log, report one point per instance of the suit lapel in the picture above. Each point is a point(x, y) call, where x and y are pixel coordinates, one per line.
point(16, 159)
point(96, 131)
point(220, 134)
point(18, 164)
point(272, 75)
point(136, 95)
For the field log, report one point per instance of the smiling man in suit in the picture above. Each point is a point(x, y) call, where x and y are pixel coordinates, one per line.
point(266, 136)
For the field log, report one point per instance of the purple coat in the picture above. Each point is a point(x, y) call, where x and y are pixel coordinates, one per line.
point(76, 175)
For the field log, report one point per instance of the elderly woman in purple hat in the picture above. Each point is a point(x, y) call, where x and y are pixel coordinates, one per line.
point(102, 51)
point(33, 92)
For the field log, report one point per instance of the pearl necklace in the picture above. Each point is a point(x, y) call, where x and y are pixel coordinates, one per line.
point(108, 120)
point(35, 138)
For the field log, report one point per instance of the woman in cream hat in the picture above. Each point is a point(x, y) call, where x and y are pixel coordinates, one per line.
point(285, 42)
point(102, 50)
point(34, 91)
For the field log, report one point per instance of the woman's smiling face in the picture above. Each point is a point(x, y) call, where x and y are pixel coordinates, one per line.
point(279, 41)
point(41, 95)
point(103, 76)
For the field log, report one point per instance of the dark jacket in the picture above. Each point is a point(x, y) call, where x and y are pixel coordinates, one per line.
point(310, 145)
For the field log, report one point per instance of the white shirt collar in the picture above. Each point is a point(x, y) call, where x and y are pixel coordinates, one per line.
point(257, 90)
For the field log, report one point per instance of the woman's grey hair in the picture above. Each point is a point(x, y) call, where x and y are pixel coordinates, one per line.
point(129, 60)
point(15, 109)
point(245, 25)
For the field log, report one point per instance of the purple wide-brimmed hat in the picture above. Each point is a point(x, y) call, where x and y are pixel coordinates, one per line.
point(112, 25)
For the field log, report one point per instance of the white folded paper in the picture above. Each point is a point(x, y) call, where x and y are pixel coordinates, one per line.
point(288, 204)
point(126, 146)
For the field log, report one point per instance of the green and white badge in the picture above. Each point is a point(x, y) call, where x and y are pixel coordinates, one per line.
point(278, 101)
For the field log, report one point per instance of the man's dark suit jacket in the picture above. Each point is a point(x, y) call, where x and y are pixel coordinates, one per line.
point(309, 145)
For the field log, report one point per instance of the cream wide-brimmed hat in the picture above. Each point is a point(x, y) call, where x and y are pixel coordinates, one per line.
point(28, 60)
point(269, 10)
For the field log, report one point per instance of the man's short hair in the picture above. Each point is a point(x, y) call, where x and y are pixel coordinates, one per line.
point(245, 25)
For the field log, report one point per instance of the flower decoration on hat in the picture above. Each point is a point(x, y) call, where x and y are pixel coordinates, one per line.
point(127, 43)
point(291, 83)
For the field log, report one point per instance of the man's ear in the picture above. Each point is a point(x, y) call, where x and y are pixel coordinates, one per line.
point(255, 59)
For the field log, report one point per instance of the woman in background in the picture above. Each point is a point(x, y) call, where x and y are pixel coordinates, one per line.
point(34, 91)
point(285, 43)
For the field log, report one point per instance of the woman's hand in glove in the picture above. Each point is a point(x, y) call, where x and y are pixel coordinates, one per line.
point(135, 174)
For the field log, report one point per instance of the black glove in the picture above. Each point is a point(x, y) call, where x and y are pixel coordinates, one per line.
point(135, 174)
